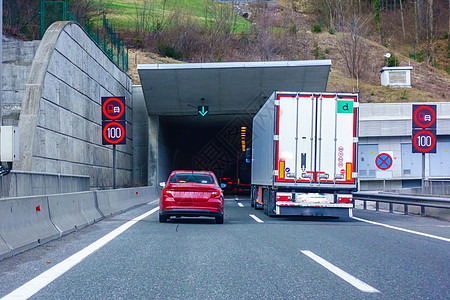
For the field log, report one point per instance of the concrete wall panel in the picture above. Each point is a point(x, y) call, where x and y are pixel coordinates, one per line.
point(60, 121)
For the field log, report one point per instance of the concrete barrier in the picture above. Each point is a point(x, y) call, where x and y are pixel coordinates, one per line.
point(66, 213)
point(5, 250)
point(111, 202)
point(89, 207)
point(25, 222)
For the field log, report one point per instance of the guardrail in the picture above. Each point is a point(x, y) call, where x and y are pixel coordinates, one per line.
point(415, 200)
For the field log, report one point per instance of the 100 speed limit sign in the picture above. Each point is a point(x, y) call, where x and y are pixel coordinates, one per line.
point(424, 141)
point(114, 133)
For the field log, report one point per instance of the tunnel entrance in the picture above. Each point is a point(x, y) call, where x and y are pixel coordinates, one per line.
point(215, 143)
point(234, 92)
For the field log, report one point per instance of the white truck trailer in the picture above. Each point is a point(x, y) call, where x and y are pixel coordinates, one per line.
point(304, 148)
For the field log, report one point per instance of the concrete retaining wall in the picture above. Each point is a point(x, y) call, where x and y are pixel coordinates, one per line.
point(60, 121)
point(23, 227)
point(17, 59)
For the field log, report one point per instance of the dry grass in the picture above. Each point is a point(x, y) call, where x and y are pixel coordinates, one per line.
point(136, 57)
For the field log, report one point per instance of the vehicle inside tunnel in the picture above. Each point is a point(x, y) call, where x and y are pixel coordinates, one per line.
point(216, 143)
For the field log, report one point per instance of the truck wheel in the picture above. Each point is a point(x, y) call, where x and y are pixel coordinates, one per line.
point(252, 196)
point(271, 202)
point(265, 201)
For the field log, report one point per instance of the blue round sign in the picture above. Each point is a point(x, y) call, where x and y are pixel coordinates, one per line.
point(383, 161)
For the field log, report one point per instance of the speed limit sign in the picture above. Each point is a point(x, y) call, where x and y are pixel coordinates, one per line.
point(424, 141)
point(113, 133)
point(113, 125)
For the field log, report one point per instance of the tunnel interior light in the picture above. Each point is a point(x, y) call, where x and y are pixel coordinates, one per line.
point(243, 136)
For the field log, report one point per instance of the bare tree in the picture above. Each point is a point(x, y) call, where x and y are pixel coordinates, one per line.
point(352, 48)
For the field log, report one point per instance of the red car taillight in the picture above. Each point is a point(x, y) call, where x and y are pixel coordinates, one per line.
point(168, 193)
point(215, 194)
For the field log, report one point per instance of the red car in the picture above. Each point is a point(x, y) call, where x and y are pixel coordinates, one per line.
point(191, 194)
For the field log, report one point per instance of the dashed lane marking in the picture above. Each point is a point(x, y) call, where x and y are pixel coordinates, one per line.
point(256, 218)
point(360, 285)
point(240, 204)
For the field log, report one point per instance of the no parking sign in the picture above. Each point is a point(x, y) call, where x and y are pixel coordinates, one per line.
point(383, 161)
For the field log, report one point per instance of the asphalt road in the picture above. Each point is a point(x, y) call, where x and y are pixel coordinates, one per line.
point(244, 258)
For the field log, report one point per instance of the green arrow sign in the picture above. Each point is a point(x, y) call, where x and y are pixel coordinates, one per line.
point(203, 110)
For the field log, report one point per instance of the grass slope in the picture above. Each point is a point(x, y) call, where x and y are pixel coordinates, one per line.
point(124, 13)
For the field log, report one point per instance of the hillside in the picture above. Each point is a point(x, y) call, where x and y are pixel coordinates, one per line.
point(205, 31)
point(428, 84)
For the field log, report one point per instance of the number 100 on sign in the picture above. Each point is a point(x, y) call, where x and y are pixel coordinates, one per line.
point(424, 141)
point(114, 133)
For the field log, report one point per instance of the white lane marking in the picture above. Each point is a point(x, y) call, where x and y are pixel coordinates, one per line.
point(256, 218)
point(236, 198)
point(360, 285)
point(405, 230)
point(36, 284)
point(240, 204)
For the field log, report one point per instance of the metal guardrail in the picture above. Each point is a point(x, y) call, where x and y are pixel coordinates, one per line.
point(415, 200)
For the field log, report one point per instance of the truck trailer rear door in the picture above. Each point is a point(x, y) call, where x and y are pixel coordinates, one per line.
point(316, 137)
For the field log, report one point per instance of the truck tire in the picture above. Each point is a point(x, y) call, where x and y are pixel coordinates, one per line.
point(271, 202)
point(252, 196)
point(266, 202)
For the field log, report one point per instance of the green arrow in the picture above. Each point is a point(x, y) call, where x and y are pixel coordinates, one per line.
point(203, 112)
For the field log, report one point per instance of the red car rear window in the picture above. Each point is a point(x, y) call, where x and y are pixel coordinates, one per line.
point(191, 178)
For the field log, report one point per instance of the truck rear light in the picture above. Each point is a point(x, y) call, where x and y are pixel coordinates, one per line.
point(345, 200)
point(168, 193)
point(284, 198)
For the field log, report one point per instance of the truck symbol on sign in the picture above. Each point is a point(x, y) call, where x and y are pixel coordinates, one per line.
point(113, 109)
point(424, 117)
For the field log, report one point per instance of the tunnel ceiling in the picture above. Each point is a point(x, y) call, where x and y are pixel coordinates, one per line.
point(226, 88)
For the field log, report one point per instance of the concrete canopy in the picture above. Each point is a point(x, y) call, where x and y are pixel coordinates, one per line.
point(227, 88)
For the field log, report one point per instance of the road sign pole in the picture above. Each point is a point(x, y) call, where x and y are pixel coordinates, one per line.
point(423, 173)
point(114, 166)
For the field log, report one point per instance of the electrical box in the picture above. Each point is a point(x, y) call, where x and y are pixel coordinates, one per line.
point(9, 144)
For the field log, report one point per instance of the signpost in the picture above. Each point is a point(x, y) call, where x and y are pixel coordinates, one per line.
point(113, 126)
point(424, 132)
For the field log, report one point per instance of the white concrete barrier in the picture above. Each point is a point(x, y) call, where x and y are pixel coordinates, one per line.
point(5, 250)
point(89, 207)
point(65, 212)
point(25, 222)
point(111, 202)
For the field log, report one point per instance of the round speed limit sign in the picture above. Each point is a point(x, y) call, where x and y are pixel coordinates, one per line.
point(114, 133)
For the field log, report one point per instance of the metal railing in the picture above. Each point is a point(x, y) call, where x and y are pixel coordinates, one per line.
point(23, 183)
point(111, 43)
point(415, 200)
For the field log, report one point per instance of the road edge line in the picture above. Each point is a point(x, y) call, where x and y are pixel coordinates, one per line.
point(33, 286)
point(403, 229)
